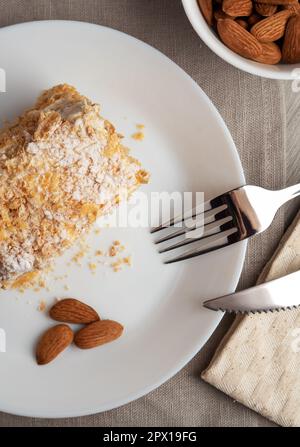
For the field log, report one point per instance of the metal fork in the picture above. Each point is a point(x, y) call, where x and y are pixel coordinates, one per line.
point(224, 220)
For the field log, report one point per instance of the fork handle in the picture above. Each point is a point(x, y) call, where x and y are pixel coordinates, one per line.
point(286, 194)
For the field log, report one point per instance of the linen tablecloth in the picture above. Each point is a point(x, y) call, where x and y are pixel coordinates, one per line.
point(254, 110)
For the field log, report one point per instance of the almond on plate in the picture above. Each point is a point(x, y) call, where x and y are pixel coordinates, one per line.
point(70, 310)
point(98, 333)
point(53, 342)
point(238, 39)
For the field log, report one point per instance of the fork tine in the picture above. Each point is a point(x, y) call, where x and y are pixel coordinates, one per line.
point(211, 216)
point(206, 207)
point(226, 223)
point(232, 235)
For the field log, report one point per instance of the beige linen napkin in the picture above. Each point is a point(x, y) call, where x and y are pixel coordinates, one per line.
point(258, 361)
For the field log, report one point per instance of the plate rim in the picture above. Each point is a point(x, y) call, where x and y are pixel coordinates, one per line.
point(243, 245)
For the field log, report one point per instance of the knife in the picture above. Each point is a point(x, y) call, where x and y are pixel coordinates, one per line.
point(280, 294)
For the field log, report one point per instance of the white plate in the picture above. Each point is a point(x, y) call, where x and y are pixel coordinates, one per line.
point(187, 148)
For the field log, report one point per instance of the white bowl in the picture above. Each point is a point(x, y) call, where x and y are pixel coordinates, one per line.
point(207, 34)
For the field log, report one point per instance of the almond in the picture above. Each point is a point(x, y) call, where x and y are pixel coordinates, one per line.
point(265, 9)
point(295, 9)
point(271, 54)
point(219, 15)
point(278, 2)
point(253, 19)
point(237, 8)
point(242, 23)
point(238, 21)
point(71, 310)
point(291, 44)
point(238, 39)
point(98, 333)
point(272, 28)
point(53, 342)
point(206, 7)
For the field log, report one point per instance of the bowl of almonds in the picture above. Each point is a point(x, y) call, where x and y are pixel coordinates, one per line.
point(261, 37)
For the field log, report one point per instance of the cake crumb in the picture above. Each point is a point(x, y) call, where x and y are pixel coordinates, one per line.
point(140, 126)
point(142, 176)
point(92, 266)
point(127, 260)
point(112, 251)
point(42, 306)
point(78, 256)
point(138, 136)
point(116, 265)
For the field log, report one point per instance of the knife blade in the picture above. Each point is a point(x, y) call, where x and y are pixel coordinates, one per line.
point(279, 294)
